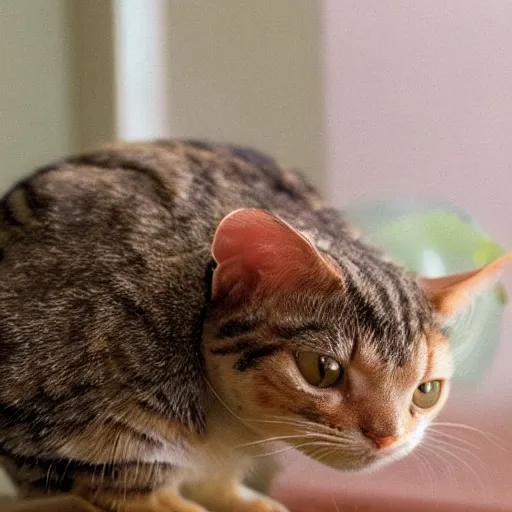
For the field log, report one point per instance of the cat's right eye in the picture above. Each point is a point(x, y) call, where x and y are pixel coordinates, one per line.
point(319, 370)
point(427, 394)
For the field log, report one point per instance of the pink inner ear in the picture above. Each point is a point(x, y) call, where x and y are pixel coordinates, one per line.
point(252, 246)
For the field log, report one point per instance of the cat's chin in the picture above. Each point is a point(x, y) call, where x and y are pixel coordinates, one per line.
point(347, 463)
point(369, 463)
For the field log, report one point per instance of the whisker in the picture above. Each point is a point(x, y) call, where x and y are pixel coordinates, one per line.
point(245, 421)
point(325, 436)
point(306, 427)
point(305, 424)
point(327, 453)
point(454, 438)
point(224, 403)
point(213, 455)
point(416, 456)
point(449, 447)
point(318, 453)
point(286, 437)
point(467, 466)
point(487, 435)
point(442, 464)
point(136, 472)
point(334, 503)
point(125, 480)
point(443, 442)
point(430, 469)
point(277, 452)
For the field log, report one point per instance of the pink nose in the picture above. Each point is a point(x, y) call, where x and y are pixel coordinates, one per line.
point(381, 442)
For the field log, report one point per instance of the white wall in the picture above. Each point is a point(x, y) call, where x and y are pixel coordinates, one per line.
point(36, 116)
point(246, 72)
point(418, 102)
point(249, 72)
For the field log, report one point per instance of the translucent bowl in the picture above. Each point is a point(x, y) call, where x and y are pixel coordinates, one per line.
point(435, 239)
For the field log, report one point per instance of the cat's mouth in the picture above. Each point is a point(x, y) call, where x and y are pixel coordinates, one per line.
point(363, 459)
point(394, 453)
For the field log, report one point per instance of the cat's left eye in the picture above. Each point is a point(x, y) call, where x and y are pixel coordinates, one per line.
point(427, 395)
point(319, 370)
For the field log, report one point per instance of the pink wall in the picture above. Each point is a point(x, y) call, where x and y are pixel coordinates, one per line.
point(419, 102)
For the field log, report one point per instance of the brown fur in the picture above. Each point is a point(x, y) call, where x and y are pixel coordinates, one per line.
point(123, 378)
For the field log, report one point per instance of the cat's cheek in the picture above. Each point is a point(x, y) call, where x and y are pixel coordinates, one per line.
point(418, 433)
point(272, 395)
point(280, 389)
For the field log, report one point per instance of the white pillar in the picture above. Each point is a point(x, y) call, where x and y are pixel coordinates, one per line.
point(141, 73)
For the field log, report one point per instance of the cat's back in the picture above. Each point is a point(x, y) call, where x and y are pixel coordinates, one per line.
point(106, 255)
point(171, 191)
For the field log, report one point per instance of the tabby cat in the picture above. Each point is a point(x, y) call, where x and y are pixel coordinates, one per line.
point(170, 309)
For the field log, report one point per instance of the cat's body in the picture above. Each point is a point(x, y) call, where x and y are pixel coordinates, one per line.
point(123, 372)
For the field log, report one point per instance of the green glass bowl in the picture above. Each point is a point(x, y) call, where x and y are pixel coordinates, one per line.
point(435, 239)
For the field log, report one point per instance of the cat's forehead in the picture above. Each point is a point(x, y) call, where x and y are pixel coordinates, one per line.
point(381, 313)
point(382, 305)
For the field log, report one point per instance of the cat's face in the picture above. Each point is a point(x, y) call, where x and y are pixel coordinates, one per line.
point(301, 353)
point(333, 397)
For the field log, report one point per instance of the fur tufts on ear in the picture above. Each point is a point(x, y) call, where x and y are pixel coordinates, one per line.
point(450, 294)
point(254, 249)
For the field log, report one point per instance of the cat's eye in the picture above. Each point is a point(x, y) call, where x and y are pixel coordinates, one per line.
point(320, 371)
point(427, 395)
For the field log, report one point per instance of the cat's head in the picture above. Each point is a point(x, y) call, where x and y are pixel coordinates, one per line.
point(342, 356)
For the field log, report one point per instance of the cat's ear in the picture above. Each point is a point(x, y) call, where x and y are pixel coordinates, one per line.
point(450, 294)
point(254, 249)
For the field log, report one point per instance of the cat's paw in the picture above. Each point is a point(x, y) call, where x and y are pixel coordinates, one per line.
point(247, 500)
point(261, 505)
point(225, 496)
point(162, 501)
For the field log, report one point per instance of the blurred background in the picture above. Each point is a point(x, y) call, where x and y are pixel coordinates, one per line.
point(371, 99)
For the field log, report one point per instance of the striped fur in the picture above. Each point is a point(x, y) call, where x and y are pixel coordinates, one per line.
point(106, 322)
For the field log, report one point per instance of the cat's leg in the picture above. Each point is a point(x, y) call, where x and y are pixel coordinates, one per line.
point(231, 496)
point(64, 503)
point(160, 501)
point(165, 500)
point(262, 474)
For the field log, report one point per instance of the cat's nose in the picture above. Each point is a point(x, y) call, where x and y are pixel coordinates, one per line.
point(383, 442)
point(380, 441)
